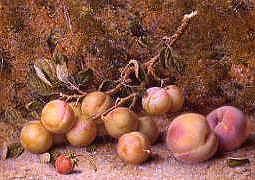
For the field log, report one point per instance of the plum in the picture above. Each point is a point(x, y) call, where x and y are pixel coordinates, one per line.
point(58, 117)
point(230, 125)
point(83, 133)
point(177, 96)
point(120, 121)
point(133, 148)
point(35, 138)
point(95, 103)
point(148, 127)
point(156, 101)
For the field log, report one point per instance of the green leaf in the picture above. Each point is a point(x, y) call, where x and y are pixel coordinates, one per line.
point(34, 105)
point(37, 85)
point(13, 116)
point(83, 77)
point(234, 162)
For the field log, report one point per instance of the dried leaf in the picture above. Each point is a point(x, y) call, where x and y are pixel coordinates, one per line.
point(136, 66)
point(62, 73)
point(39, 72)
point(53, 156)
point(234, 162)
point(9, 132)
point(15, 150)
point(49, 68)
point(45, 158)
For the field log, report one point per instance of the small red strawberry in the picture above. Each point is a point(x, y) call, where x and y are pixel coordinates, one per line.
point(65, 163)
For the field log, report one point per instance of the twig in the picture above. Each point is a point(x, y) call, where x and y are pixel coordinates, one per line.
point(121, 101)
point(115, 90)
point(73, 87)
point(181, 29)
point(132, 105)
point(169, 41)
point(67, 17)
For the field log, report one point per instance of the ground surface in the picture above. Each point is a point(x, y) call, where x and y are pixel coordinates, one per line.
point(109, 166)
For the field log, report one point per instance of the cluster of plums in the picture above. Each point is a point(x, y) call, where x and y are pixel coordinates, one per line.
point(191, 137)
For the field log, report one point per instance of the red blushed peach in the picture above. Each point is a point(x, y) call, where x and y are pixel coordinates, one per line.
point(177, 96)
point(58, 117)
point(230, 125)
point(191, 139)
point(156, 101)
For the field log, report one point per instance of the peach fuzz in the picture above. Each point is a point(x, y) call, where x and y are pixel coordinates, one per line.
point(191, 139)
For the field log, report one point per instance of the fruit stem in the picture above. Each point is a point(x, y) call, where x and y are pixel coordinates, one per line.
point(74, 96)
point(169, 41)
point(120, 102)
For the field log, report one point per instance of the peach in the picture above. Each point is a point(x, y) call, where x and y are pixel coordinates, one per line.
point(58, 117)
point(83, 133)
point(148, 127)
point(177, 96)
point(133, 148)
point(95, 103)
point(191, 139)
point(120, 121)
point(156, 101)
point(35, 138)
point(230, 125)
